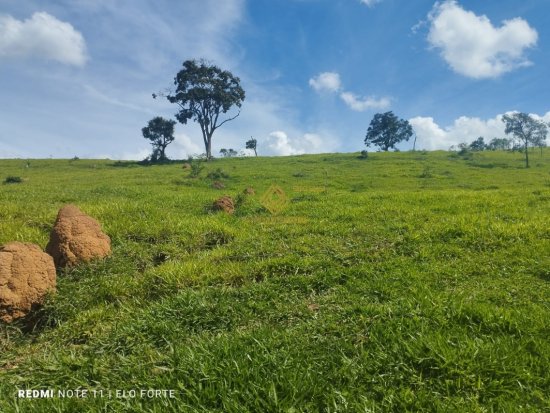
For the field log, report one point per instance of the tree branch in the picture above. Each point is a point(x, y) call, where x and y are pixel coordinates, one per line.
point(227, 120)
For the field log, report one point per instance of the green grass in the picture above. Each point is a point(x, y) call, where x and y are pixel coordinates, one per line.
point(399, 283)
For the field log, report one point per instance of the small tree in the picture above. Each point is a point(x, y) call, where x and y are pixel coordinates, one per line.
point(252, 144)
point(228, 153)
point(386, 130)
point(478, 144)
point(160, 132)
point(526, 130)
point(205, 92)
point(499, 144)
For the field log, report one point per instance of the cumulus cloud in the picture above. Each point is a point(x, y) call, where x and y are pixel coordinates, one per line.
point(473, 47)
point(41, 36)
point(361, 104)
point(432, 136)
point(279, 143)
point(326, 81)
point(183, 146)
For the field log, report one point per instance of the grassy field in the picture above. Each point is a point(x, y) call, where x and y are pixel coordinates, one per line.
point(404, 282)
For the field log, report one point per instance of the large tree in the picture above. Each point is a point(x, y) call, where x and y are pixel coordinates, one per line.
point(160, 132)
point(203, 93)
point(386, 130)
point(526, 129)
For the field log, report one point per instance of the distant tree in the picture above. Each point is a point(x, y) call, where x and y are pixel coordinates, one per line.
point(499, 144)
point(386, 130)
point(252, 144)
point(526, 130)
point(160, 132)
point(540, 142)
point(228, 153)
point(478, 144)
point(203, 93)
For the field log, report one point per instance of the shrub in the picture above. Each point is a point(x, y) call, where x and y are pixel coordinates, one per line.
point(196, 167)
point(217, 174)
point(13, 180)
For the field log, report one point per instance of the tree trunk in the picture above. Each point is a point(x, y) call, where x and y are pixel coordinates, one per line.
point(256, 153)
point(414, 143)
point(209, 147)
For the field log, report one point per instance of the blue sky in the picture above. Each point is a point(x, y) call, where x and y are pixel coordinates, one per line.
point(76, 76)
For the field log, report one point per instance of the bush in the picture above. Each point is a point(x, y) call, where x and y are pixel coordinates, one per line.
point(13, 180)
point(217, 174)
point(364, 154)
point(196, 167)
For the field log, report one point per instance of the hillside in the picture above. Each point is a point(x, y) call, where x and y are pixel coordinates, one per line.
point(403, 282)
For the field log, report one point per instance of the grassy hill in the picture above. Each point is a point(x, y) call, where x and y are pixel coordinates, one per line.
point(404, 282)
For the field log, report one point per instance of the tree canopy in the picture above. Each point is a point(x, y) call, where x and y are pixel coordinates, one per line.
point(160, 132)
point(386, 130)
point(204, 93)
point(526, 129)
point(252, 144)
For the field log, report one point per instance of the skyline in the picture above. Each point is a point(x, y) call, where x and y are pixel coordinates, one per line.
point(77, 76)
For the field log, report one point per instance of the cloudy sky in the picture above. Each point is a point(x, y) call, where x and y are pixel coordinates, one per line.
point(76, 76)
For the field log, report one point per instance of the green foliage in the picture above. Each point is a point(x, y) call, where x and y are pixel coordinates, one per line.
point(218, 173)
point(374, 290)
point(204, 92)
point(160, 132)
point(228, 153)
point(13, 180)
point(478, 145)
point(252, 144)
point(364, 154)
point(197, 165)
point(526, 129)
point(499, 144)
point(386, 130)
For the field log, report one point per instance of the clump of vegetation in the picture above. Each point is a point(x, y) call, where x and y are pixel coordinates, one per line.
point(195, 167)
point(228, 153)
point(13, 180)
point(218, 173)
point(426, 172)
point(364, 154)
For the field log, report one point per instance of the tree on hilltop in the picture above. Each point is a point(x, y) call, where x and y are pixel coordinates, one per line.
point(386, 130)
point(160, 132)
point(203, 93)
point(252, 144)
point(478, 144)
point(526, 129)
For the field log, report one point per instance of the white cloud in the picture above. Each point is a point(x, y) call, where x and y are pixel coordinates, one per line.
point(431, 136)
point(370, 3)
point(361, 104)
point(279, 143)
point(326, 81)
point(42, 36)
point(473, 47)
point(183, 146)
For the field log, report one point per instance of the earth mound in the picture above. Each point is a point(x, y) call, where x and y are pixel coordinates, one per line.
point(249, 191)
point(225, 203)
point(76, 237)
point(26, 275)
